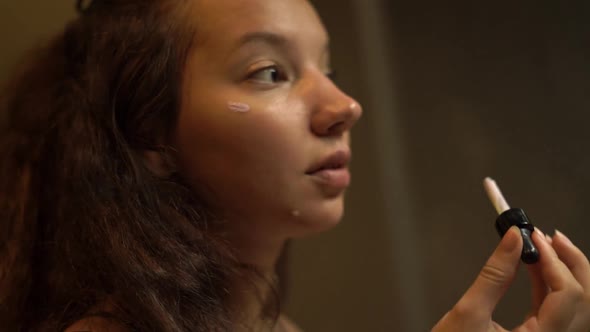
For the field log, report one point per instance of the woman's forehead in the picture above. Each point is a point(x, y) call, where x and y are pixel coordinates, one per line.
point(228, 21)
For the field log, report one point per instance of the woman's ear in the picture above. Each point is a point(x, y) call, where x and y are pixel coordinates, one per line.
point(160, 162)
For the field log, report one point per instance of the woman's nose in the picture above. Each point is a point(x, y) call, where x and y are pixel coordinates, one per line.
point(335, 112)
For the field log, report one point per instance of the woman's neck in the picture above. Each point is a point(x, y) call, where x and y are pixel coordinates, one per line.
point(254, 292)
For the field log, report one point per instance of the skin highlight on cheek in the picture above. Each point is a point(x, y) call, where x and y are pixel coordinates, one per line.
point(238, 107)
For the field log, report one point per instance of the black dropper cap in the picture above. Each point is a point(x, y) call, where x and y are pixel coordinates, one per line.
point(517, 217)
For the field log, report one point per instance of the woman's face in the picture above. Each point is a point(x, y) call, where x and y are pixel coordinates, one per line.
point(263, 133)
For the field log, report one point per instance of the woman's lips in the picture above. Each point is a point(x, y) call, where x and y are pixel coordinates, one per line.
point(332, 171)
point(336, 178)
point(338, 159)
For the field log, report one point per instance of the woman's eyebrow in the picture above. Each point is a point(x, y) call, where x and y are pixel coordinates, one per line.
point(267, 37)
point(273, 39)
point(263, 36)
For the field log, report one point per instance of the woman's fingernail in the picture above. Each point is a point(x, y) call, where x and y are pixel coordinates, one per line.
point(512, 242)
point(565, 238)
point(549, 239)
point(542, 235)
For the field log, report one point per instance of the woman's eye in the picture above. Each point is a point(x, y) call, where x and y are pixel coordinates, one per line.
point(268, 75)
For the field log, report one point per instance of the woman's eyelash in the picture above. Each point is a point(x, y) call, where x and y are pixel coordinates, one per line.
point(275, 74)
point(272, 73)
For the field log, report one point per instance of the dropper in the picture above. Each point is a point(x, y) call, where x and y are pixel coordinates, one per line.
point(509, 217)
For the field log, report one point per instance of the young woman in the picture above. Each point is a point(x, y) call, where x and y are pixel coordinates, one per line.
point(157, 156)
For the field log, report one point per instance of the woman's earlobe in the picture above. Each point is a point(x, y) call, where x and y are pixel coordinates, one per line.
point(159, 162)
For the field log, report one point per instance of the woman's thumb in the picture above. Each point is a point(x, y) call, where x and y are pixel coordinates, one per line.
point(495, 277)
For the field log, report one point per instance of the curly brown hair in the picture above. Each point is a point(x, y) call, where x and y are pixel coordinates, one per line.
point(84, 220)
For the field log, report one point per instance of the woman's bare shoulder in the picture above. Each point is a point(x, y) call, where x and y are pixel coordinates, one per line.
point(96, 324)
point(100, 324)
point(287, 325)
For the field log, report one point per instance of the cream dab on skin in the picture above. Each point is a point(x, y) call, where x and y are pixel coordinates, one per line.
point(238, 107)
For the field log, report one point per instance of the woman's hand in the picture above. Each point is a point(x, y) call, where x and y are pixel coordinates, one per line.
point(560, 282)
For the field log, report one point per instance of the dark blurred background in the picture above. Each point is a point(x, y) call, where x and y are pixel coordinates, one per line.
point(453, 91)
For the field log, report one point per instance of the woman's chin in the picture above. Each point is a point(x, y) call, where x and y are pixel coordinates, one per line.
point(316, 218)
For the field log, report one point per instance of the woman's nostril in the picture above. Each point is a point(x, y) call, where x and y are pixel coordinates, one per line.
point(337, 128)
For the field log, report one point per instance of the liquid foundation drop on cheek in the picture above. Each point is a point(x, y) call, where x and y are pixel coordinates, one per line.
point(296, 213)
point(238, 107)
